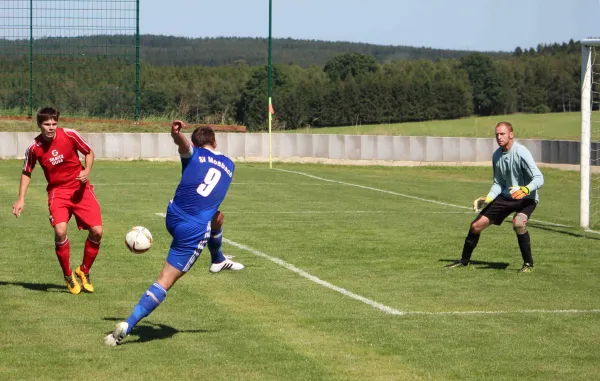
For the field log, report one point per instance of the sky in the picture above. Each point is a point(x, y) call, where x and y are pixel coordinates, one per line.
point(482, 25)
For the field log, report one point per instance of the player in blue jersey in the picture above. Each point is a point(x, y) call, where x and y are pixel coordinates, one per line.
point(514, 190)
point(193, 220)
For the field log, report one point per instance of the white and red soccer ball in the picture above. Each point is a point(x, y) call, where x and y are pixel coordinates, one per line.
point(138, 239)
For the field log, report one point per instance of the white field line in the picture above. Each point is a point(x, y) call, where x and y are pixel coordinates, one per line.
point(539, 311)
point(304, 274)
point(390, 310)
point(384, 308)
point(403, 195)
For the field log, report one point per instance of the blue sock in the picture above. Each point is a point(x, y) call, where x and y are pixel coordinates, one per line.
point(148, 303)
point(214, 246)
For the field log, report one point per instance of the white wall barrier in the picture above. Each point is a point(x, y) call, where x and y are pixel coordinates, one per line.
point(255, 146)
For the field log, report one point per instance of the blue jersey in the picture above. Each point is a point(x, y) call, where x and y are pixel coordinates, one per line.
point(205, 179)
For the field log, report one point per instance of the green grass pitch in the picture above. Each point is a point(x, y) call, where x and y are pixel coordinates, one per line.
point(325, 256)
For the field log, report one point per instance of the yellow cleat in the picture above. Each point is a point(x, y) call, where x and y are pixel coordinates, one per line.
point(72, 284)
point(85, 280)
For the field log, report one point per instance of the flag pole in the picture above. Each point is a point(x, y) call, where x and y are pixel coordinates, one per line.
point(270, 84)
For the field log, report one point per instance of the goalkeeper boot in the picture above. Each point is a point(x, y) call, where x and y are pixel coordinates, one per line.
point(458, 263)
point(114, 338)
point(72, 284)
point(227, 264)
point(527, 268)
point(85, 280)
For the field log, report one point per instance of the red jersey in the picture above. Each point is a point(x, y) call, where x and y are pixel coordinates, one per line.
point(59, 158)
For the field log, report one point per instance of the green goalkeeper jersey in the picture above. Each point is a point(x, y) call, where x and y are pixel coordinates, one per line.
point(514, 168)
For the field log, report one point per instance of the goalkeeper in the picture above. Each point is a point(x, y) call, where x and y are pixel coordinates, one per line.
point(516, 181)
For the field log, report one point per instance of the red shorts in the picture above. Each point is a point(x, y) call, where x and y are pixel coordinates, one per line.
point(81, 202)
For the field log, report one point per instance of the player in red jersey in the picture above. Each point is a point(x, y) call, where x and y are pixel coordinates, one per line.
point(69, 192)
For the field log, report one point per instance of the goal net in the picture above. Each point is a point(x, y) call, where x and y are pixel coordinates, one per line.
point(590, 135)
point(80, 56)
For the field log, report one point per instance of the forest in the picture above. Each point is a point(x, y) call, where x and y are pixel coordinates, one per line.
point(315, 83)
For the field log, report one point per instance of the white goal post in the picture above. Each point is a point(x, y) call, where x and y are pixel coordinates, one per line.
point(588, 81)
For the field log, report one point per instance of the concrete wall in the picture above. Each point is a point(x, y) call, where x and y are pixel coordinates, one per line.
point(346, 147)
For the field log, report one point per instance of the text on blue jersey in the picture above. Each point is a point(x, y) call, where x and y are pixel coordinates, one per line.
point(205, 179)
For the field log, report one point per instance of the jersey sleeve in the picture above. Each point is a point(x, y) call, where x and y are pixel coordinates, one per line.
point(232, 166)
point(529, 166)
point(187, 157)
point(77, 141)
point(30, 158)
point(496, 188)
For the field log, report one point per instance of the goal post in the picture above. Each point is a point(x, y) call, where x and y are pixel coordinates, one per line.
point(589, 79)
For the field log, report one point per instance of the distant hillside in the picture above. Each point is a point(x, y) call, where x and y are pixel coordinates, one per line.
point(180, 51)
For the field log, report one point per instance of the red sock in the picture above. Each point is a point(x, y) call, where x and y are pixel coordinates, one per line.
point(63, 253)
point(90, 252)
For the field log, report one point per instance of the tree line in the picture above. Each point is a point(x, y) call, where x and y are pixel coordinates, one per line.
point(158, 50)
point(349, 89)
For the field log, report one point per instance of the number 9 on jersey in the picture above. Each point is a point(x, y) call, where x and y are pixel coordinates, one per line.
point(210, 182)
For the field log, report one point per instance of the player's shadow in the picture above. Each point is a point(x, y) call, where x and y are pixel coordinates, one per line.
point(558, 229)
point(483, 265)
point(45, 287)
point(147, 331)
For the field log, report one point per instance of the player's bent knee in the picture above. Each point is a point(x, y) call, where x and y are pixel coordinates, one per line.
point(60, 232)
point(217, 221)
point(168, 276)
point(477, 226)
point(520, 223)
point(474, 228)
point(96, 232)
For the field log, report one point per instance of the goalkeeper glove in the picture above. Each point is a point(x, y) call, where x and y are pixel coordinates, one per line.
point(481, 203)
point(518, 193)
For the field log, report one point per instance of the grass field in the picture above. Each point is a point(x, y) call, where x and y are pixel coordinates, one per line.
point(565, 126)
point(556, 126)
point(342, 282)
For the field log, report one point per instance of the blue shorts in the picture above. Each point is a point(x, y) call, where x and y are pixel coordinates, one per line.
point(189, 238)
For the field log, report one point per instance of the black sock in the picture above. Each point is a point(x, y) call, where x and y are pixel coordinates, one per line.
point(470, 245)
point(525, 246)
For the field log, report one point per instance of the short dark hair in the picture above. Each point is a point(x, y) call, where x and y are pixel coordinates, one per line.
point(507, 124)
point(203, 136)
point(47, 113)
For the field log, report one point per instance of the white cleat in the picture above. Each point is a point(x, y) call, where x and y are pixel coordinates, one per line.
point(227, 264)
point(113, 339)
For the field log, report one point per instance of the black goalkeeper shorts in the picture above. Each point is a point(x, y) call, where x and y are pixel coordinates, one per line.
point(502, 207)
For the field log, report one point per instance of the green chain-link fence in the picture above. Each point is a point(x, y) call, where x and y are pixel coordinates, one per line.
point(80, 56)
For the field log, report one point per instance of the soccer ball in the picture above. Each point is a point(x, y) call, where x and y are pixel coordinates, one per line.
point(138, 239)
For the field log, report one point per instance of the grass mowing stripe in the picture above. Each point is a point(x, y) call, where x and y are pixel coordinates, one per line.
point(331, 212)
point(390, 310)
point(593, 311)
point(402, 194)
point(387, 309)
point(141, 183)
point(302, 273)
